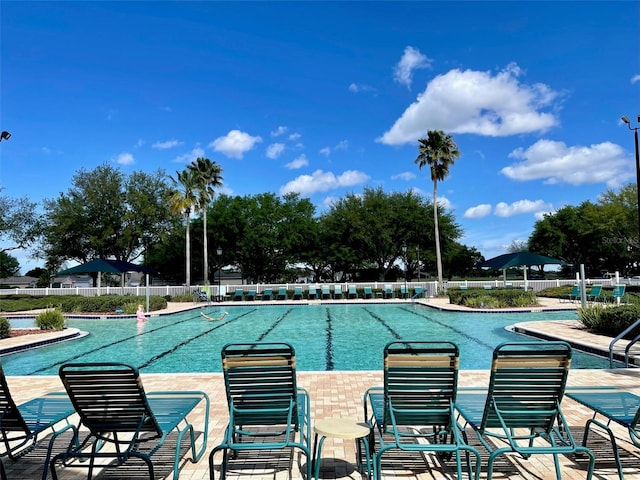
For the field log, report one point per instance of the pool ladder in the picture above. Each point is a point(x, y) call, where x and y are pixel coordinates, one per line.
point(627, 348)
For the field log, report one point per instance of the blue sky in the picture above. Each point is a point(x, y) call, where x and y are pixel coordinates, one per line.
point(325, 98)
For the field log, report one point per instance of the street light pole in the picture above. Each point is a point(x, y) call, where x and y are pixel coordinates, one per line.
point(626, 120)
point(404, 260)
point(219, 253)
point(418, 260)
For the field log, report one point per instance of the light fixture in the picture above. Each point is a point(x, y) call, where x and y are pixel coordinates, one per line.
point(626, 120)
point(5, 135)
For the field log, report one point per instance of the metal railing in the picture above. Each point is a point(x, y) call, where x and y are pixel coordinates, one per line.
point(627, 348)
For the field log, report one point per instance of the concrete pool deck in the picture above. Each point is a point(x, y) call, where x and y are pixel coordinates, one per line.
point(340, 394)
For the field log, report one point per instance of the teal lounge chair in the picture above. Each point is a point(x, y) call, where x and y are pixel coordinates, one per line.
point(120, 417)
point(267, 294)
point(312, 294)
point(21, 425)
point(595, 293)
point(239, 295)
point(388, 292)
point(418, 292)
point(297, 293)
point(337, 291)
point(326, 293)
point(404, 292)
point(522, 404)
point(618, 293)
point(267, 410)
point(367, 292)
point(282, 294)
point(414, 410)
point(352, 292)
point(574, 294)
point(611, 405)
point(251, 295)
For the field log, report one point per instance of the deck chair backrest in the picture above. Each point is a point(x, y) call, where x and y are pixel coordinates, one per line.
point(108, 397)
point(260, 382)
point(527, 385)
point(420, 382)
point(618, 290)
point(10, 418)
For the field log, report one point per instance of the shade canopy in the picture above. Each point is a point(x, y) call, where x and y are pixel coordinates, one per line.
point(101, 265)
point(518, 259)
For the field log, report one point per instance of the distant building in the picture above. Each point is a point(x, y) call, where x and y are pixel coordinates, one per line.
point(18, 282)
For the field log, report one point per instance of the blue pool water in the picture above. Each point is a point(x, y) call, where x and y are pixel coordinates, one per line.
point(325, 337)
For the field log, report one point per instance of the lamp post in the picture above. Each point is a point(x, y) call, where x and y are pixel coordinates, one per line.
point(626, 120)
point(5, 135)
point(219, 253)
point(418, 260)
point(404, 260)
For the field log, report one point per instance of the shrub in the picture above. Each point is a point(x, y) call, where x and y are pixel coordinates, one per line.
point(496, 298)
point(51, 319)
point(610, 321)
point(5, 328)
point(183, 297)
point(591, 315)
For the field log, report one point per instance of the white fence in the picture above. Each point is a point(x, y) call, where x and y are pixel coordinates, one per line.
point(429, 288)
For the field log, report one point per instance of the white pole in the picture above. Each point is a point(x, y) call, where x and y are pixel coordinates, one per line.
point(147, 290)
point(583, 290)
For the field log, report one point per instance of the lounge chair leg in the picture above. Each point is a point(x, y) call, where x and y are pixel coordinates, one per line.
point(612, 438)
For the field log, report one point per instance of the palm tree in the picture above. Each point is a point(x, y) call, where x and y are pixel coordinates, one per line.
point(208, 176)
point(182, 201)
point(439, 151)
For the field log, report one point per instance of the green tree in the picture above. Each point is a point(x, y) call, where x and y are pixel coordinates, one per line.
point(208, 177)
point(9, 265)
point(182, 201)
point(439, 152)
point(20, 223)
point(106, 214)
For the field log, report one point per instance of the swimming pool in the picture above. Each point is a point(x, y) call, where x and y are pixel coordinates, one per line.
point(326, 337)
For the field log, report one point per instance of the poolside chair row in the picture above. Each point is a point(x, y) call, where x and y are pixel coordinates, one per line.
point(325, 292)
point(595, 294)
point(419, 408)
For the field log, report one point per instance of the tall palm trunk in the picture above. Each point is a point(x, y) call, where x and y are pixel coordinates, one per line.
point(187, 253)
point(206, 247)
point(437, 232)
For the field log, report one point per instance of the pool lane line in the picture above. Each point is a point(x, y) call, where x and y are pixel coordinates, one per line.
point(178, 346)
point(384, 323)
point(263, 335)
point(449, 327)
point(329, 365)
point(111, 344)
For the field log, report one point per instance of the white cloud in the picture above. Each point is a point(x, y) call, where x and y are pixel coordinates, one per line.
point(342, 145)
point(411, 60)
point(166, 145)
point(407, 176)
point(357, 88)
point(125, 158)
point(294, 136)
point(635, 78)
point(139, 143)
point(556, 163)
point(479, 211)
point(235, 143)
point(444, 202)
point(281, 130)
point(274, 150)
point(320, 181)
point(297, 163)
point(475, 102)
point(328, 202)
point(190, 156)
point(521, 206)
